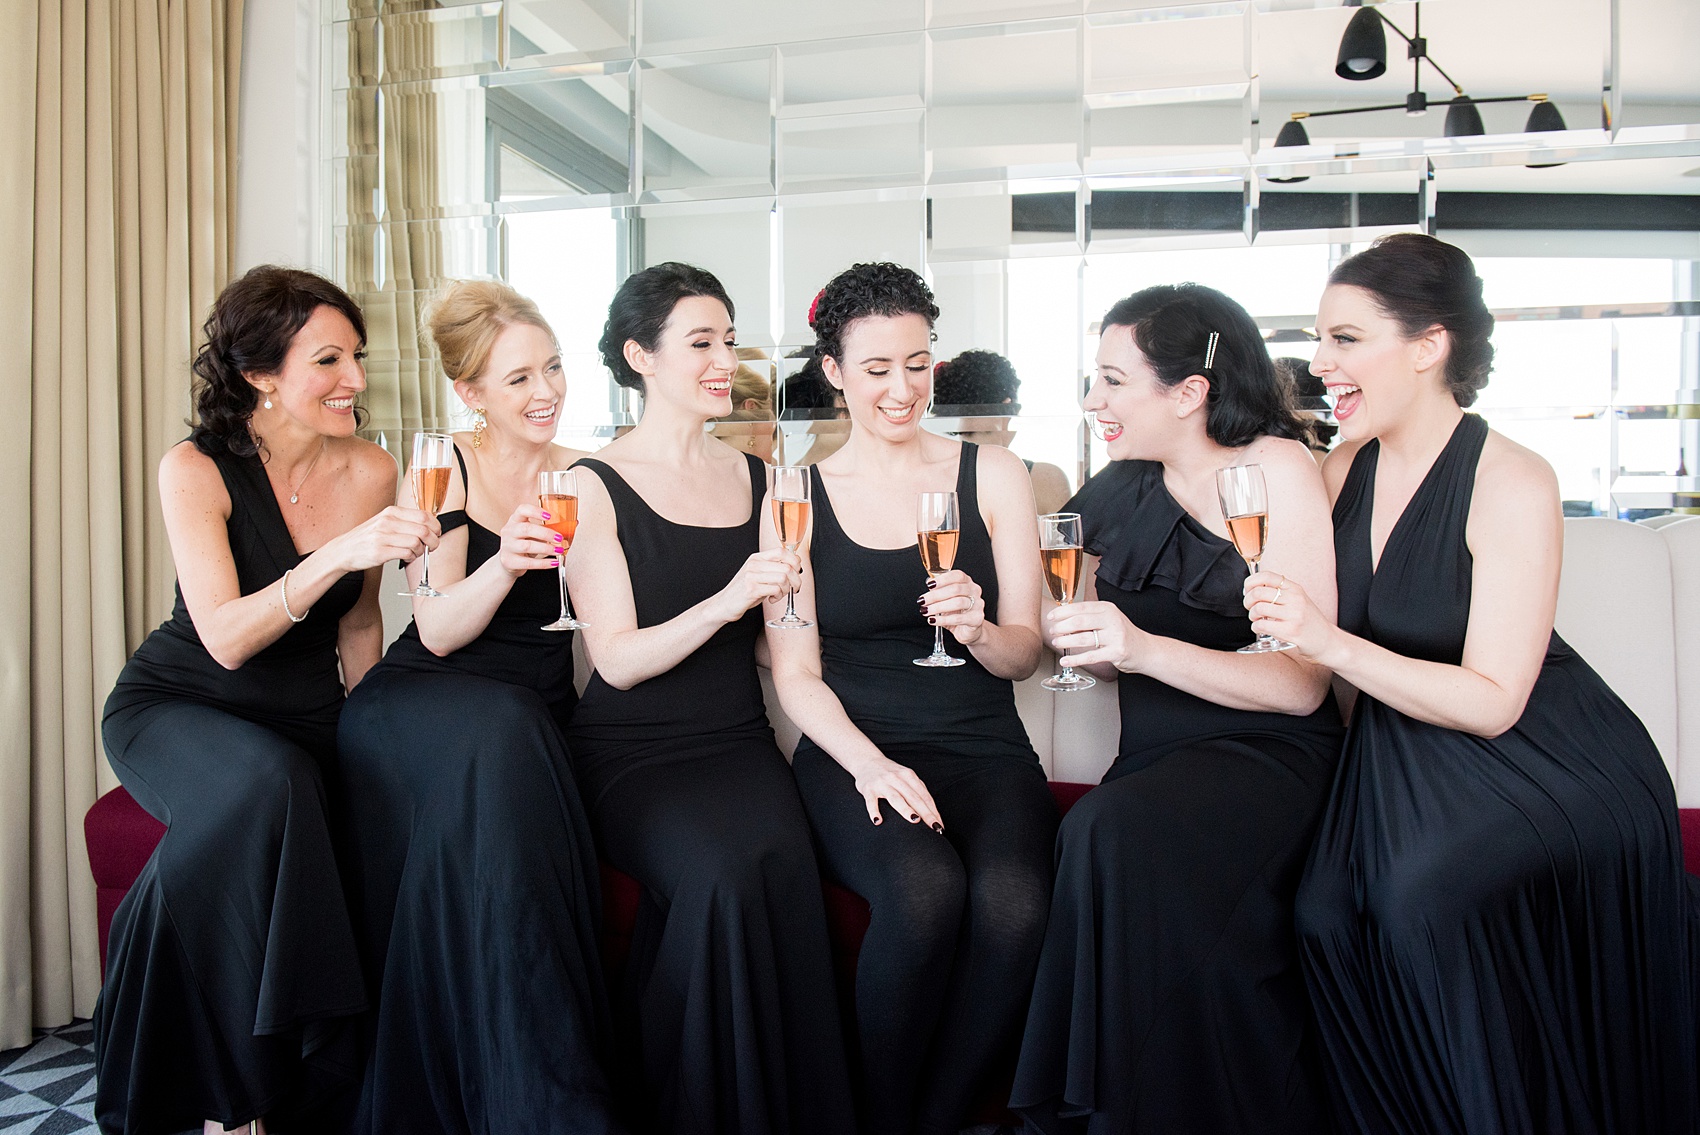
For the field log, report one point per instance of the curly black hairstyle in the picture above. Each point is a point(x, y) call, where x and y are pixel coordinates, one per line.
point(1309, 394)
point(976, 378)
point(808, 389)
point(642, 307)
point(1420, 282)
point(1172, 324)
point(865, 290)
point(249, 331)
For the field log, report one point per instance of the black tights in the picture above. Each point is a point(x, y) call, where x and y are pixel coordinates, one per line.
point(947, 966)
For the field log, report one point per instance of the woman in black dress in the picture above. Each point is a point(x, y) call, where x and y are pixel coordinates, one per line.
point(471, 868)
point(1495, 923)
point(1169, 997)
point(232, 974)
point(959, 885)
point(730, 979)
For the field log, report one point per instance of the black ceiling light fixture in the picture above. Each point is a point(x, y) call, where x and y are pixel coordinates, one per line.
point(1363, 55)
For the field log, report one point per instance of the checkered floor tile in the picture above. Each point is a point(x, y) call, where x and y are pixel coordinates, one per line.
point(48, 1088)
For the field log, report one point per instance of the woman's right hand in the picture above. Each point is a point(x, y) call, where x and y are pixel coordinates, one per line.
point(881, 778)
point(527, 544)
point(764, 576)
point(394, 534)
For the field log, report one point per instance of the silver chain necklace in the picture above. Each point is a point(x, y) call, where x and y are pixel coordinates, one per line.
point(295, 494)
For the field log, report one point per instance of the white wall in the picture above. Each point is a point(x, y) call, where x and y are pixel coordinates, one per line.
point(279, 172)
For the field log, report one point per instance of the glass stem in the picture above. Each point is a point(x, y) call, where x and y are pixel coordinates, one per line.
point(561, 578)
point(790, 606)
point(425, 574)
point(938, 640)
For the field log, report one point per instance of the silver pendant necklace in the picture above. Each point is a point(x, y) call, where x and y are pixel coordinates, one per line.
point(295, 494)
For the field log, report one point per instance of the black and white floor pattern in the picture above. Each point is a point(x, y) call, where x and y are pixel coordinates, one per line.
point(48, 1088)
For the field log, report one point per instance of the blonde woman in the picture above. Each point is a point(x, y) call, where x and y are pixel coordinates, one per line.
point(473, 876)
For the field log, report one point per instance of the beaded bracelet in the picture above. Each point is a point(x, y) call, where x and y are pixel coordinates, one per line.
point(293, 617)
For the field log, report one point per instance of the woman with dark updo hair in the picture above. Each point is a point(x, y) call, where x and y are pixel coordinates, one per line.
point(1495, 923)
point(231, 972)
point(1169, 999)
point(924, 792)
point(730, 980)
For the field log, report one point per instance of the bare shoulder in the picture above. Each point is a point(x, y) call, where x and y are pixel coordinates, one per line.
point(998, 462)
point(186, 472)
point(1338, 463)
point(1515, 469)
point(372, 472)
point(1281, 453)
point(564, 457)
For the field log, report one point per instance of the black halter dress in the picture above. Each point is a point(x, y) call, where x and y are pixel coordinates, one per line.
point(945, 969)
point(231, 973)
point(1496, 932)
point(473, 878)
point(1169, 999)
point(730, 979)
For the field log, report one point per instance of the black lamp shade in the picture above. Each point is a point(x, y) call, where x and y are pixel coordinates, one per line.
point(1292, 134)
point(1463, 120)
point(1363, 49)
point(1544, 117)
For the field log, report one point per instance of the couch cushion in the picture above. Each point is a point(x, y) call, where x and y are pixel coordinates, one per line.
point(1682, 541)
point(1614, 607)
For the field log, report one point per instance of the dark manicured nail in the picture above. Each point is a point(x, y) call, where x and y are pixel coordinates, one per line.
point(939, 828)
point(932, 583)
point(931, 621)
point(879, 819)
point(913, 817)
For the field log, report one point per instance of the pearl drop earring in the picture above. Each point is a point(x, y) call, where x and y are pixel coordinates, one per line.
point(268, 399)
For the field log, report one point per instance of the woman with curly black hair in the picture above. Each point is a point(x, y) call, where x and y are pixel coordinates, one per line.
point(924, 793)
point(986, 380)
point(232, 973)
point(730, 980)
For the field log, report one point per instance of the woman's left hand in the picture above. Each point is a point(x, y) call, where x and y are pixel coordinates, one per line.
point(1083, 634)
point(1280, 608)
point(953, 601)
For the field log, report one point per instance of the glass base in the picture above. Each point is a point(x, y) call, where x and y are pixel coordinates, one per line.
point(940, 658)
point(565, 623)
point(422, 592)
point(790, 622)
point(1265, 645)
point(1068, 683)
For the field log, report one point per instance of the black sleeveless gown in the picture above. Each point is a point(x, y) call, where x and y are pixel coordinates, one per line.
point(1495, 932)
point(232, 977)
point(473, 878)
point(947, 964)
point(1169, 997)
point(729, 984)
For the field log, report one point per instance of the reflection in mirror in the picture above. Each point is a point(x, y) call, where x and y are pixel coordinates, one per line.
point(707, 126)
point(568, 31)
point(751, 427)
point(1006, 101)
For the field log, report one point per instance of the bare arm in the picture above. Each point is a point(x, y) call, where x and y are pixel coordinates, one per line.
point(235, 627)
point(360, 633)
point(810, 703)
point(1008, 648)
point(626, 654)
point(1516, 538)
point(1300, 543)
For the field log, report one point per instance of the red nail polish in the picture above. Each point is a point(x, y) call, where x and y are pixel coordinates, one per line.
point(931, 621)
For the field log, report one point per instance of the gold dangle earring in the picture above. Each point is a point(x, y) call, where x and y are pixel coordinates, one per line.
point(478, 427)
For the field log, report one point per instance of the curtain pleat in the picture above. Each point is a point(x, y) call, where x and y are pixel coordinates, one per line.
point(121, 121)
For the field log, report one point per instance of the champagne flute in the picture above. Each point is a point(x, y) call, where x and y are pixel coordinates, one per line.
point(1061, 557)
point(938, 528)
point(1245, 506)
point(429, 472)
point(557, 495)
point(791, 521)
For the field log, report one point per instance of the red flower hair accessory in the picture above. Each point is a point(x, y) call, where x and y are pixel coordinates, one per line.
point(814, 303)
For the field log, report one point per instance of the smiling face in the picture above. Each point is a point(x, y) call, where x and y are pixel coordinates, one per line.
point(694, 357)
point(1373, 372)
point(521, 386)
point(320, 376)
point(886, 373)
point(1138, 417)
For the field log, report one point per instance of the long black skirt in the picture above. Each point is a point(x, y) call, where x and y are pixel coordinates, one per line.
point(1169, 999)
point(474, 881)
point(232, 976)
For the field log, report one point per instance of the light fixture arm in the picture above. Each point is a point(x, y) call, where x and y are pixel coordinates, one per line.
point(1418, 48)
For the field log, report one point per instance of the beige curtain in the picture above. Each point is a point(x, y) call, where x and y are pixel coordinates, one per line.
point(395, 256)
point(117, 158)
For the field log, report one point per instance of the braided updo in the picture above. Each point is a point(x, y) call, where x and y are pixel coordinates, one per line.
point(1420, 282)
